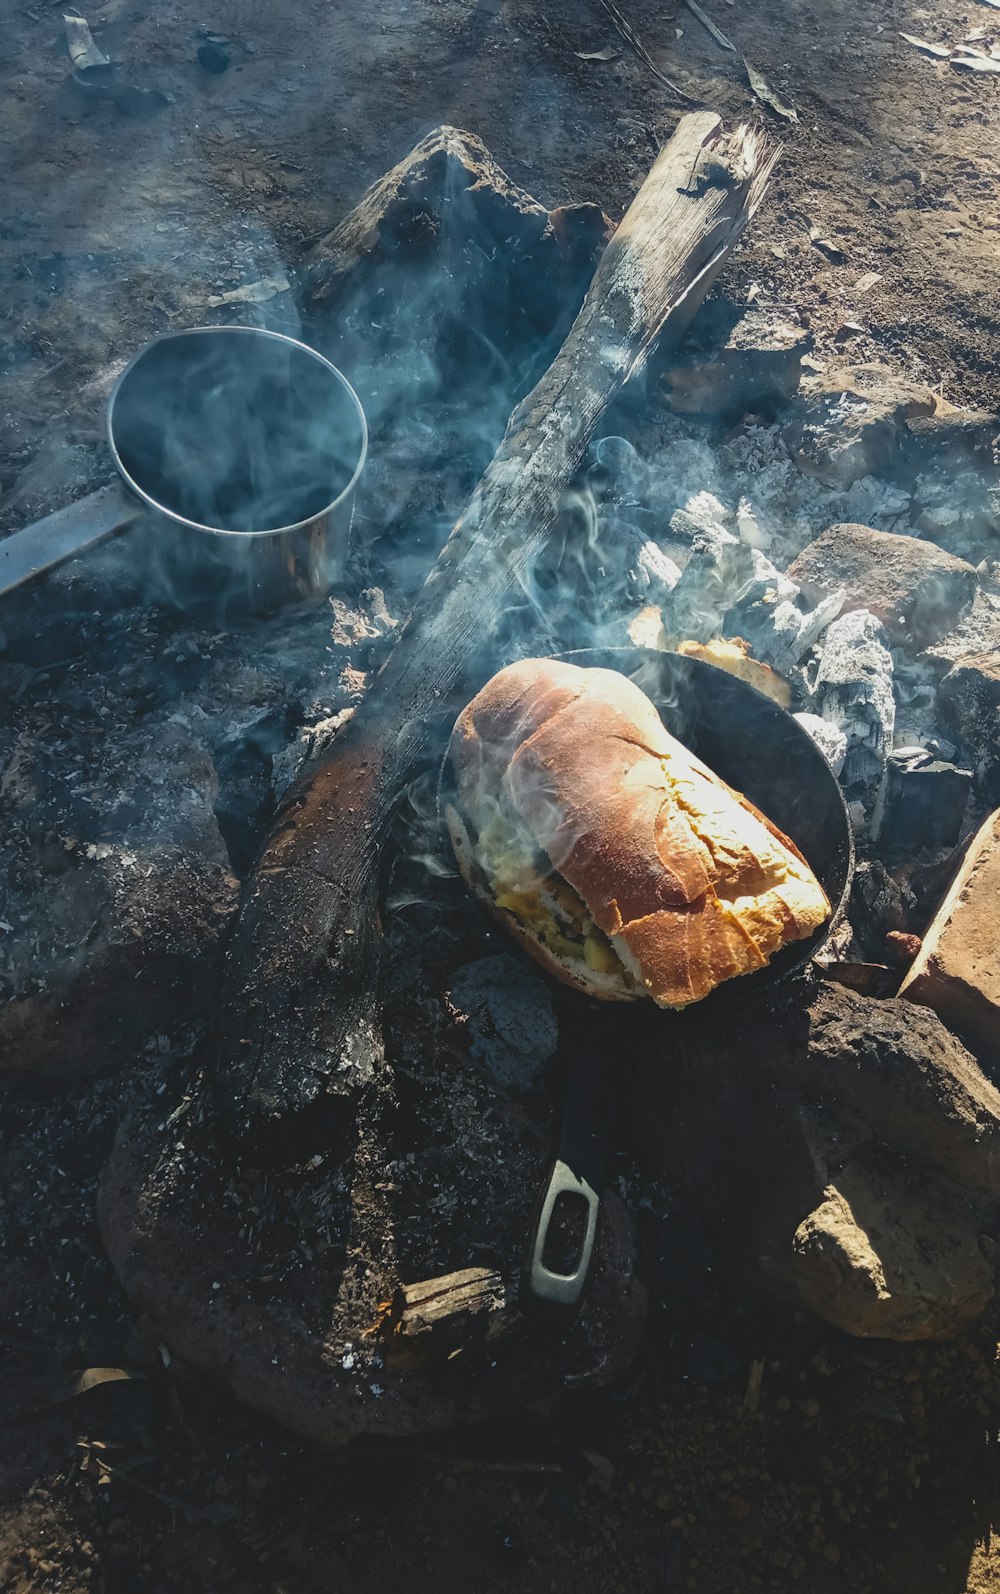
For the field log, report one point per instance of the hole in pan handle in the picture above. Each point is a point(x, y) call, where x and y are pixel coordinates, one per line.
point(593, 1089)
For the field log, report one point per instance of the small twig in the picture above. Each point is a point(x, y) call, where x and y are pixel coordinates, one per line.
point(630, 36)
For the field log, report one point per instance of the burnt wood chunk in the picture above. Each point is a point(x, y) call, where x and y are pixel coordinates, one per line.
point(300, 1028)
point(437, 1317)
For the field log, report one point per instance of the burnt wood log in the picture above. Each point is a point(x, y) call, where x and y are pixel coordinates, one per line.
point(299, 1031)
point(439, 1317)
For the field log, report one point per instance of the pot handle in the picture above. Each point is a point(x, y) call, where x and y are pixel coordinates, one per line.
point(67, 532)
point(577, 1173)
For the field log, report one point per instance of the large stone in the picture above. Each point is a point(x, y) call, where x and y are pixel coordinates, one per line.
point(969, 699)
point(768, 1143)
point(957, 972)
point(738, 360)
point(277, 1285)
point(853, 690)
point(885, 1256)
point(915, 589)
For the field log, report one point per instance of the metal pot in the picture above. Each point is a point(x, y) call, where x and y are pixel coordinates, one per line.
point(241, 450)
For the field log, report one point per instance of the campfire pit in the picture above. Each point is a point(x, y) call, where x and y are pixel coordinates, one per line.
point(370, 1182)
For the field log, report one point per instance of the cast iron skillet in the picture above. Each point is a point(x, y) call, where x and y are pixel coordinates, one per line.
point(762, 751)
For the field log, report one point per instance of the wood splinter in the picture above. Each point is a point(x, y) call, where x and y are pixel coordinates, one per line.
point(437, 1318)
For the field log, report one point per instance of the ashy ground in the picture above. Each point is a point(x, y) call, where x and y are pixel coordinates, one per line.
point(859, 1467)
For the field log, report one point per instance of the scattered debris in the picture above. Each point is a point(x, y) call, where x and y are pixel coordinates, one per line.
point(940, 51)
point(868, 281)
point(832, 251)
point(32, 1391)
point(630, 36)
point(766, 94)
point(252, 292)
point(964, 57)
point(609, 53)
point(706, 22)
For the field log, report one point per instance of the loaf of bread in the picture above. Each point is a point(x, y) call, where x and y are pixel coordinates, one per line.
point(617, 858)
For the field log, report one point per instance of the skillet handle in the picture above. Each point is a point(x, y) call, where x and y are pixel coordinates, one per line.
point(65, 533)
point(577, 1174)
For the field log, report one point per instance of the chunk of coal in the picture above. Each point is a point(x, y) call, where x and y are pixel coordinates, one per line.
point(719, 568)
point(921, 802)
point(969, 701)
point(853, 689)
point(511, 1022)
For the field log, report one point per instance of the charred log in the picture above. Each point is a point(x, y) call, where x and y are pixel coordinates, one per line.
point(300, 1032)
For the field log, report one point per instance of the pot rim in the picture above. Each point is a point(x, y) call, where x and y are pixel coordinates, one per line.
point(224, 531)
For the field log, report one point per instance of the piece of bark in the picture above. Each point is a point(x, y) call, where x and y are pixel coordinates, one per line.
point(957, 971)
point(299, 1026)
point(440, 1317)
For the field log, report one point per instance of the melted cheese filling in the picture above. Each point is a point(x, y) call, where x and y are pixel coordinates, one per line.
point(523, 883)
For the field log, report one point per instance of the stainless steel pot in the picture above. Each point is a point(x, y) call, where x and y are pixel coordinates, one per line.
point(241, 450)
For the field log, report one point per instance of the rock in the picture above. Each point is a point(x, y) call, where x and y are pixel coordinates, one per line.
point(958, 970)
point(277, 1285)
point(921, 802)
point(447, 221)
point(754, 1147)
point(738, 360)
point(915, 589)
point(511, 1022)
point(969, 701)
point(853, 422)
point(829, 738)
point(853, 690)
point(883, 1257)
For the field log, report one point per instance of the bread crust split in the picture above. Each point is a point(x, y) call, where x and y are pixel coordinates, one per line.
point(567, 778)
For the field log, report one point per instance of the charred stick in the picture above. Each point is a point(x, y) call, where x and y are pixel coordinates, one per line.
point(300, 1028)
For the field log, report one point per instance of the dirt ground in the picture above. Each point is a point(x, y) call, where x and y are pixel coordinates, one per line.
point(861, 1466)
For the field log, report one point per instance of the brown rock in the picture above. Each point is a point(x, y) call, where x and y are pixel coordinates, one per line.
point(885, 1256)
point(855, 421)
point(916, 589)
point(754, 1142)
point(420, 218)
point(958, 970)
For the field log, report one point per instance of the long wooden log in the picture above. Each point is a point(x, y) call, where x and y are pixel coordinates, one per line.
point(299, 1023)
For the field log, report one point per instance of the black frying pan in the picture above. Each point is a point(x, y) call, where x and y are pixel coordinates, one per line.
point(762, 751)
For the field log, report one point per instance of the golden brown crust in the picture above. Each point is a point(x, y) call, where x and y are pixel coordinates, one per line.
point(693, 885)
